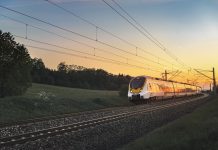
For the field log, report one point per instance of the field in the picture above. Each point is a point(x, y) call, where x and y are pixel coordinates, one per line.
point(44, 100)
point(196, 131)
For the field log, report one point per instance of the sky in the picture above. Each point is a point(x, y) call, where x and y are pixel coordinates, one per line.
point(188, 29)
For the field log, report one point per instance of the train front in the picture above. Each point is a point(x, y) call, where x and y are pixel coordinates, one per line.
point(137, 89)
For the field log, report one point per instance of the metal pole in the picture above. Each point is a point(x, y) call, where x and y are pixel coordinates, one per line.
point(210, 88)
point(166, 75)
point(214, 82)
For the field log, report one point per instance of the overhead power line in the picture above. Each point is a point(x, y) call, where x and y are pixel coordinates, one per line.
point(146, 31)
point(48, 23)
point(67, 30)
point(132, 24)
point(87, 45)
point(61, 52)
point(90, 38)
point(64, 37)
point(153, 40)
point(104, 30)
point(85, 57)
point(84, 53)
point(137, 22)
point(91, 58)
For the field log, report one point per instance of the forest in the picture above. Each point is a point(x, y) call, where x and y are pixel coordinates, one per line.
point(77, 76)
point(18, 70)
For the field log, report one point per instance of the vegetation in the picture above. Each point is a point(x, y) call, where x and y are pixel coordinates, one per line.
point(77, 76)
point(123, 90)
point(15, 66)
point(198, 130)
point(18, 71)
point(43, 100)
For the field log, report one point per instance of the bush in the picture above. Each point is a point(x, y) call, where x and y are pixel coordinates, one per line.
point(123, 90)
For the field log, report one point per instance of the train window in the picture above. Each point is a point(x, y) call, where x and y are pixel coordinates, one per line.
point(176, 87)
point(157, 88)
point(137, 82)
point(188, 88)
point(149, 87)
point(171, 88)
point(182, 88)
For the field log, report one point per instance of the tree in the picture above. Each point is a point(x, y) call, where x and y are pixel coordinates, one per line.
point(38, 64)
point(62, 67)
point(38, 70)
point(123, 90)
point(15, 66)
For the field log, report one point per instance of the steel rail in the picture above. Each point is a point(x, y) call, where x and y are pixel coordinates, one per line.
point(54, 117)
point(22, 138)
point(74, 114)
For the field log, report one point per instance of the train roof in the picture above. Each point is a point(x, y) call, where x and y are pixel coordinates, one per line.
point(149, 77)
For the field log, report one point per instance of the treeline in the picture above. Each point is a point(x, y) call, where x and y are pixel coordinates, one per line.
point(18, 70)
point(77, 76)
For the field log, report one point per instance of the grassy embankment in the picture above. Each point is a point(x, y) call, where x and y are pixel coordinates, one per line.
point(43, 100)
point(195, 131)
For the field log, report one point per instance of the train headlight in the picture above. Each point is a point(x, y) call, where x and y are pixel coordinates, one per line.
point(138, 90)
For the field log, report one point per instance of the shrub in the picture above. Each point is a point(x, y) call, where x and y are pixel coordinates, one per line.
point(123, 90)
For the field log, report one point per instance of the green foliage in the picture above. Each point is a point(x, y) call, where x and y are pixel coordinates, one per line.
point(15, 66)
point(40, 73)
point(196, 131)
point(62, 67)
point(123, 90)
point(77, 76)
point(43, 100)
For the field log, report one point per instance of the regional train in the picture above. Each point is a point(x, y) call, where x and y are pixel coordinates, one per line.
point(149, 88)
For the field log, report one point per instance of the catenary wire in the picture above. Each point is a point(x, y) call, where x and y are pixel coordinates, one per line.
point(67, 30)
point(84, 53)
point(106, 31)
point(97, 59)
point(151, 39)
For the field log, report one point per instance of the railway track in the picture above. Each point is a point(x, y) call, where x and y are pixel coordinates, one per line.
point(41, 119)
point(37, 124)
point(54, 117)
point(74, 127)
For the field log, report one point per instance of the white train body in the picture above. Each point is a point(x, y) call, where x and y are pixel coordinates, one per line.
point(145, 87)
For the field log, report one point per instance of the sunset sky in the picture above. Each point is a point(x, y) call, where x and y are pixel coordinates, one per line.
point(187, 28)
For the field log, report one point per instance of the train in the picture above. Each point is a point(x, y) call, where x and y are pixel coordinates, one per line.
point(146, 88)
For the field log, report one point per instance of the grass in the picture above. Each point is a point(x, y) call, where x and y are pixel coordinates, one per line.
point(44, 100)
point(195, 131)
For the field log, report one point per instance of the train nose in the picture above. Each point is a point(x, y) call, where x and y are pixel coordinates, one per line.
point(136, 91)
point(137, 97)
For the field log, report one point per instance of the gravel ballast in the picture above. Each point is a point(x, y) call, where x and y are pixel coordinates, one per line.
point(106, 136)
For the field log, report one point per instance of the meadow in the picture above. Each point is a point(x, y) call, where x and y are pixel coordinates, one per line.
point(44, 100)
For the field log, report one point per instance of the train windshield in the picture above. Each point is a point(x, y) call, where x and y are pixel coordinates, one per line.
point(137, 82)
